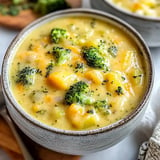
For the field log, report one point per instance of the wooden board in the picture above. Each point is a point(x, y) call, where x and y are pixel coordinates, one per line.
point(20, 21)
point(27, 16)
point(9, 144)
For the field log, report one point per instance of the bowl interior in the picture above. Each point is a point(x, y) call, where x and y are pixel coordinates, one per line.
point(127, 29)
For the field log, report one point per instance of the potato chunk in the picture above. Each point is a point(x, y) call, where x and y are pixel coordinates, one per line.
point(136, 76)
point(75, 113)
point(114, 83)
point(61, 80)
point(79, 118)
point(95, 76)
point(128, 60)
point(90, 120)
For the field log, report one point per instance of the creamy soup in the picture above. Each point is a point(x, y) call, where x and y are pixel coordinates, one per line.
point(78, 73)
point(141, 7)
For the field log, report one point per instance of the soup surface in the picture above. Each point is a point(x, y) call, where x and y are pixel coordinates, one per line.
point(141, 7)
point(78, 73)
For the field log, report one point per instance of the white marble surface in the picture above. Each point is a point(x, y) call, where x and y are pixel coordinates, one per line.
point(126, 149)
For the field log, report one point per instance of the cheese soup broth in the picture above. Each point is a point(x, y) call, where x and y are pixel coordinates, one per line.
point(78, 73)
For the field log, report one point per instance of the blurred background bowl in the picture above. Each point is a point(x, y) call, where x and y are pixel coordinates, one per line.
point(148, 27)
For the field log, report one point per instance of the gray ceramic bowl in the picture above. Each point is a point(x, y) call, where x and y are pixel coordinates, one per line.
point(148, 27)
point(76, 142)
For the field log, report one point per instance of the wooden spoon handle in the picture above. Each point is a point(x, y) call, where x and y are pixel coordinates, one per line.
point(24, 150)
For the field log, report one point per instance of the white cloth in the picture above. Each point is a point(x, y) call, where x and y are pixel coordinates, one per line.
point(150, 127)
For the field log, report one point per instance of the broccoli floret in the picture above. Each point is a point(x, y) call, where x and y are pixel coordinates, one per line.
point(26, 76)
point(102, 45)
point(61, 54)
point(102, 106)
point(112, 50)
point(78, 93)
point(93, 58)
point(13, 10)
point(57, 34)
point(119, 90)
point(18, 1)
point(79, 67)
point(49, 68)
point(47, 6)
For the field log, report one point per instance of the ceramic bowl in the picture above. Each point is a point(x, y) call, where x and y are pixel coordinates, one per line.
point(148, 27)
point(76, 142)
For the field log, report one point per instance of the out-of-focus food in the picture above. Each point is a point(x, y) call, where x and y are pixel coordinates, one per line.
point(140, 7)
point(19, 13)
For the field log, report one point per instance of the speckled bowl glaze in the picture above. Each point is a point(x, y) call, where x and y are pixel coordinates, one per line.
point(76, 142)
point(148, 27)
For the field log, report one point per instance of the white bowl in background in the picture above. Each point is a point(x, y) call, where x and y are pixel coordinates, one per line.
point(148, 27)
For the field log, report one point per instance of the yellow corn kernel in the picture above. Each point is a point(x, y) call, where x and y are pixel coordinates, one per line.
point(136, 6)
point(48, 98)
point(95, 76)
point(20, 87)
point(35, 108)
point(61, 80)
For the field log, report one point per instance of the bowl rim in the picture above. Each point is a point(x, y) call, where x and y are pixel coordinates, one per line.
point(130, 14)
point(52, 16)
